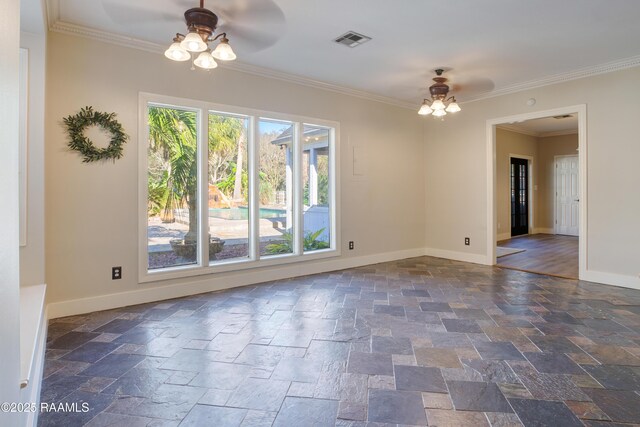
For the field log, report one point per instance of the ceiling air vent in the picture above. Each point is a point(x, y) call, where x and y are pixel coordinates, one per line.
point(564, 116)
point(352, 39)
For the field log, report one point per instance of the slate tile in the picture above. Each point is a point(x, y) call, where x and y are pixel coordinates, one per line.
point(298, 411)
point(493, 371)
point(261, 355)
point(555, 344)
point(113, 365)
point(72, 340)
point(477, 396)
point(498, 351)
point(204, 415)
point(419, 378)
point(615, 377)
point(298, 369)
point(138, 382)
point(391, 345)
point(420, 293)
point(225, 376)
point(436, 401)
point(94, 402)
point(261, 394)
point(451, 418)
point(370, 363)
point(396, 407)
point(541, 413)
point(587, 411)
point(549, 386)
point(612, 355)
point(118, 326)
point(437, 357)
point(471, 313)
point(392, 310)
point(553, 363)
point(288, 338)
point(462, 325)
point(441, 307)
point(91, 352)
point(620, 405)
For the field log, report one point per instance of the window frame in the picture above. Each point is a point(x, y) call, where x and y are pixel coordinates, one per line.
point(203, 266)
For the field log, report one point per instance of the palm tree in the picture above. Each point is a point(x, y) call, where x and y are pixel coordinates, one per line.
point(173, 139)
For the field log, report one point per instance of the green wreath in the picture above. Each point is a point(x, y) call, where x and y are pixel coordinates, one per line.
point(76, 126)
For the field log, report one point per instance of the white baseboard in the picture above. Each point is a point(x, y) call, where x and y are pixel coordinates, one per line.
point(611, 279)
point(207, 283)
point(457, 256)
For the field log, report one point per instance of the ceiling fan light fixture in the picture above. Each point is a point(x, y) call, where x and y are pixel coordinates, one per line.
point(453, 107)
point(193, 42)
point(425, 109)
point(176, 52)
point(437, 105)
point(206, 61)
point(223, 51)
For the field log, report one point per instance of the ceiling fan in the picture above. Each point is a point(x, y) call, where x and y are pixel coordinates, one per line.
point(253, 25)
point(440, 104)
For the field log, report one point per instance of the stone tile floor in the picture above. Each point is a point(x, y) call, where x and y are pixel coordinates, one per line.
point(422, 341)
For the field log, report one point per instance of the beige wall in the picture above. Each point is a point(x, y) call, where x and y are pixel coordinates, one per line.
point(91, 221)
point(9, 241)
point(548, 148)
point(511, 143)
point(456, 151)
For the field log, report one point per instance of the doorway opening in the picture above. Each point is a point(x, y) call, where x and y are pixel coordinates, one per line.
point(537, 192)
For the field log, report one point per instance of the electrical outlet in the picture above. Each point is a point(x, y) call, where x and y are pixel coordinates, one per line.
point(467, 241)
point(116, 273)
point(351, 245)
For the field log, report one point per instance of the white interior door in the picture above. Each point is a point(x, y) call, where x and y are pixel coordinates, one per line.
point(567, 195)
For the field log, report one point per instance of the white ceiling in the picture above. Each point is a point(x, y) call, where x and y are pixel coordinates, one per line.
point(490, 46)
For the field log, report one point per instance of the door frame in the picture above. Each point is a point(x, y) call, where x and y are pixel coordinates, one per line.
point(492, 220)
point(555, 196)
point(530, 160)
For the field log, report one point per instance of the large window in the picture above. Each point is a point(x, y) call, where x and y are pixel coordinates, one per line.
point(226, 188)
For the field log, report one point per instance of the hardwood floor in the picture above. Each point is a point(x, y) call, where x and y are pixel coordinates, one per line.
point(549, 254)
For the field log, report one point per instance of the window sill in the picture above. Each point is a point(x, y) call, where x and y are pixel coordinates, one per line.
point(233, 266)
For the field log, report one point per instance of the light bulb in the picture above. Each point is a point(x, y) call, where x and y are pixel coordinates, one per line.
point(437, 105)
point(177, 53)
point(223, 51)
point(193, 43)
point(206, 61)
point(453, 107)
point(439, 113)
point(425, 110)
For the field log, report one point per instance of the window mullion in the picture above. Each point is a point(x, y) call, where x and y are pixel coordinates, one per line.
point(298, 224)
point(203, 185)
point(254, 188)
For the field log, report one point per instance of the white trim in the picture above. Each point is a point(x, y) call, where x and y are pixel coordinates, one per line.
point(581, 110)
point(212, 283)
point(456, 256)
point(612, 279)
point(530, 214)
point(202, 267)
point(56, 25)
point(559, 133)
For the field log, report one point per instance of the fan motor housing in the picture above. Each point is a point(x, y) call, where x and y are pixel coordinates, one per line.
point(203, 20)
point(439, 89)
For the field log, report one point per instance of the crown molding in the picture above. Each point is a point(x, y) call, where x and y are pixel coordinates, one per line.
point(581, 73)
point(559, 133)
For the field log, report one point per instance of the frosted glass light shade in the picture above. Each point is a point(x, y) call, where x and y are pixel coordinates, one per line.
point(206, 61)
point(437, 105)
point(453, 107)
point(439, 113)
point(177, 53)
point(223, 51)
point(193, 43)
point(425, 110)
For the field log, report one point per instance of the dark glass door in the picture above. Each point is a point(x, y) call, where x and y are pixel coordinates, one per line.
point(519, 196)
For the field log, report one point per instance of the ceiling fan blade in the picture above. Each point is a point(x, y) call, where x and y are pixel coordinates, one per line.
point(474, 86)
point(248, 39)
point(121, 13)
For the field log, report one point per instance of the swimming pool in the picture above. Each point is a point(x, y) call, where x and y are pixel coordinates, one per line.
point(243, 213)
